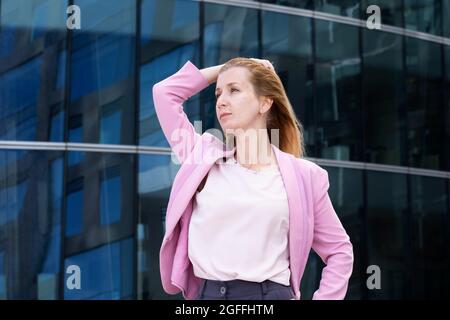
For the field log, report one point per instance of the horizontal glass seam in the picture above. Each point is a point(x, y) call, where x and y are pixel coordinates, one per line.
point(111, 148)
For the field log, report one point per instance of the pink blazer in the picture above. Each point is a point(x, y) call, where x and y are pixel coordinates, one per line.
point(313, 222)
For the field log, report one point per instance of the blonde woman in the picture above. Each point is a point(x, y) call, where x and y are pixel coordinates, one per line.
point(244, 213)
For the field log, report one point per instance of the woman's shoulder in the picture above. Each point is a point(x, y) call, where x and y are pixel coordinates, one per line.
point(310, 166)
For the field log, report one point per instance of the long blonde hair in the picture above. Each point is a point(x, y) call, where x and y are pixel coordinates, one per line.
point(281, 115)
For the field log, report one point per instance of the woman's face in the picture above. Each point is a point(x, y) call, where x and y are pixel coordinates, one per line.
point(237, 105)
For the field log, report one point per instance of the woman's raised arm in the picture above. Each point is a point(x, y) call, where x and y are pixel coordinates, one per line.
point(169, 96)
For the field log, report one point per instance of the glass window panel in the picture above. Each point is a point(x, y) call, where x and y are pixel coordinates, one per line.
point(30, 216)
point(338, 92)
point(424, 16)
point(110, 123)
point(57, 127)
point(168, 22)
point(167, 43)
point(286, 41)
point(33, 18)
point(346, 194)
point(61, 71)
point(386, 233)
point(347, 8)
point(74, 209)
point(106, 273)
point(155, 178)
point(103, 70)
point(383, 98)
point(160, 68)
point(391, 11)
point(425, 107)
point(2, 276)
point(446, 16)
point(19, 92)
point(430, 231)
point(229, 32)
point(110, 196)
point(103, 50)
point(76, 135)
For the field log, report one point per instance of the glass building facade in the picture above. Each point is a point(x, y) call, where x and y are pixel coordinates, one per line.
point(86, 172)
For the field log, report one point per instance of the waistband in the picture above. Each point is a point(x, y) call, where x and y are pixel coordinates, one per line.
point(243, 285)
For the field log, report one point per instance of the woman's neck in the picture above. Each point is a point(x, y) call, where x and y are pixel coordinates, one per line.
point(253, 149)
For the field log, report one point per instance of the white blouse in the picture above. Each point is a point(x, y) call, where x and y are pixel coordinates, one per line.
point(239, 225)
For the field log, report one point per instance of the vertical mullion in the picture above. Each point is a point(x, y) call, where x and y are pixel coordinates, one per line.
point(61, 282)
point(138, 4)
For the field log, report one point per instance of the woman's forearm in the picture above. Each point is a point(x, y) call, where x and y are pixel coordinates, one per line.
point(211, 73)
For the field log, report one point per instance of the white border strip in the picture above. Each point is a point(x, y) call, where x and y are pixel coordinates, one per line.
point(115, 148)
point(329, 17)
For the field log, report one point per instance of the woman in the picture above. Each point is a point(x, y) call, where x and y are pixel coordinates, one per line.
point(243, 215)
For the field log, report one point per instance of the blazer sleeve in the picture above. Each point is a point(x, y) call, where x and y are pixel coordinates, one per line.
point(330, 242)
point(168, 97)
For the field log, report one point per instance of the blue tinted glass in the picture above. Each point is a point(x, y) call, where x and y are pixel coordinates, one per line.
point(148, 11)
point(110, 127)
point(151, 73)
point(76, 135)
point(106, 272)
point(40, 15)
point(55, 187)
point(174, 21)
point(2, 263)
point(100, 64)
point(11, 201)
point(18, 95)
point(185, 13)
point(103, 49)
point(424, 15)
point(74, 213)
point(61, 72)
point(51, 262)
point(57, 127)
point(110, 200)
point(2, 276)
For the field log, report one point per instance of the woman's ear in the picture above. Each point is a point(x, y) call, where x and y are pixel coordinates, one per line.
point(265, 105)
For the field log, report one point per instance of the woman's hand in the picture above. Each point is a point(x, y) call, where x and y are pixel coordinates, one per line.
point(264, 62)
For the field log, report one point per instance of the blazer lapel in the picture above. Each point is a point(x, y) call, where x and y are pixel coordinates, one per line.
point(189, 176)
point(297, 223)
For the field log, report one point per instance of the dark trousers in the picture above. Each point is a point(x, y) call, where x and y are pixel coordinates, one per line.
point(244, 290)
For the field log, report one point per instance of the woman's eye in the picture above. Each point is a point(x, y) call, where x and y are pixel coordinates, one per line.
point(234, 90)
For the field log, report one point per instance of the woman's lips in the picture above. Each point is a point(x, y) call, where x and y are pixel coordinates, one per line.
point(224, 115)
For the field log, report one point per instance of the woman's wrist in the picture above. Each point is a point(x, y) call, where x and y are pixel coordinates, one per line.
point(211, 73)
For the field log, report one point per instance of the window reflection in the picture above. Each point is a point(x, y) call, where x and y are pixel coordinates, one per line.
point(150, 132)
point(430, 231)
point(110, 196)
point(337, 96)
point(229, 31)
point(2, 276)
point(387, 230)
point(30, 224)
point(287, 42)
point(424, 104)
point(348, 8)
point(19, 93)
point(156, 174)
point(111, 123)
point(383, 98)
point(74, 210)
point(424, 15)
point(106, 272)
point(76, 135)
point(391, 11)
